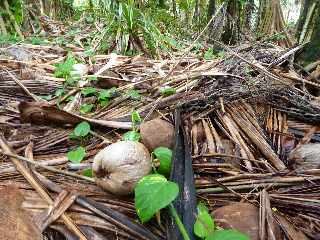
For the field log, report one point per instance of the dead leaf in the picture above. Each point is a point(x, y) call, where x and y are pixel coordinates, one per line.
point(44, 114)
point(15, 223)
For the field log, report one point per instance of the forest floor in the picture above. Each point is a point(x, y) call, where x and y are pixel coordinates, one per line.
point(246, 119)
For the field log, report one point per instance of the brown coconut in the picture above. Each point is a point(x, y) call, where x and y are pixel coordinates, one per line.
point(118, 167)
point(157, 133)
point(243, 217)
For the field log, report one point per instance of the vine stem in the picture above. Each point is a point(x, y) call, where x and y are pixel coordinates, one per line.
point(180, 225)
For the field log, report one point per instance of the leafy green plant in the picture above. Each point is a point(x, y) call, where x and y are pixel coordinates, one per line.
point(86, 108)
point(108, 93)
point(212, 53)
point(204, 224)
point(134, 94)
point(164, 156)
point(72, 136)
point(89, 52)
point(77, 155)
point(204, 227)
point(82, 129)
point(60, 40)
point(167, 91)
point(70, 98)
point(130, 29)
point(81, 5)
point(152, 193)
point(131, 136)
point(87, 172)
point(209, 54)
point(105, 95)
point(135, 118)
point(64, 69)
point(36, 41)
point(88, 91)
point(5, 39)
point(104, 103)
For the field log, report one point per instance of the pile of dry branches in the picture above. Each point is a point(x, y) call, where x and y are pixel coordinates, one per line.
point(246, 116)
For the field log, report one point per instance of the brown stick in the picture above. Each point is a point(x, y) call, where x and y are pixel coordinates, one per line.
point(259, 141)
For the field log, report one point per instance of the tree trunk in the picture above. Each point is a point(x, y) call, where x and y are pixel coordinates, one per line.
point(308, 30)
point(232, 24)
point(196, 14)
point(271, 22)
point(12, 19)
point(211, 9)
point(3, 26)
point(247, 15)
point(174, 8)
point(306, 23)
point(305, 6)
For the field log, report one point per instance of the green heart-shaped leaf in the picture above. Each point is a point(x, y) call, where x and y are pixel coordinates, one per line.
point(152, 193)
point(87, 172)
point(167, 91)
point(204, 224)
point(227, 235)
point(209, 55)
point(82, 129)
point(104, 94)
point(85, 108)
point(131, 136)
point(164, 155)
point(88, 91)
point(77, 155)
point(134, 94)
point(135, 117)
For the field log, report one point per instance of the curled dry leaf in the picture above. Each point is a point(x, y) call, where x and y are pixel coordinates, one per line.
point(45, 114)
point(118, 167)
point(243, 217)
point(15, 222)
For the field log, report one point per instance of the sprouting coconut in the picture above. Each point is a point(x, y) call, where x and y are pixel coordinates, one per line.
point(118, 167)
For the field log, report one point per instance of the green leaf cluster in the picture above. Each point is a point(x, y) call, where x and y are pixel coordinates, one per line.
point(152, 193)
point(134, 94)
point(63, 69)
point(103, 98)
point(77, 155)
point(105, 95)
point(80, 131)
point(167, 91)
point(133, 135)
